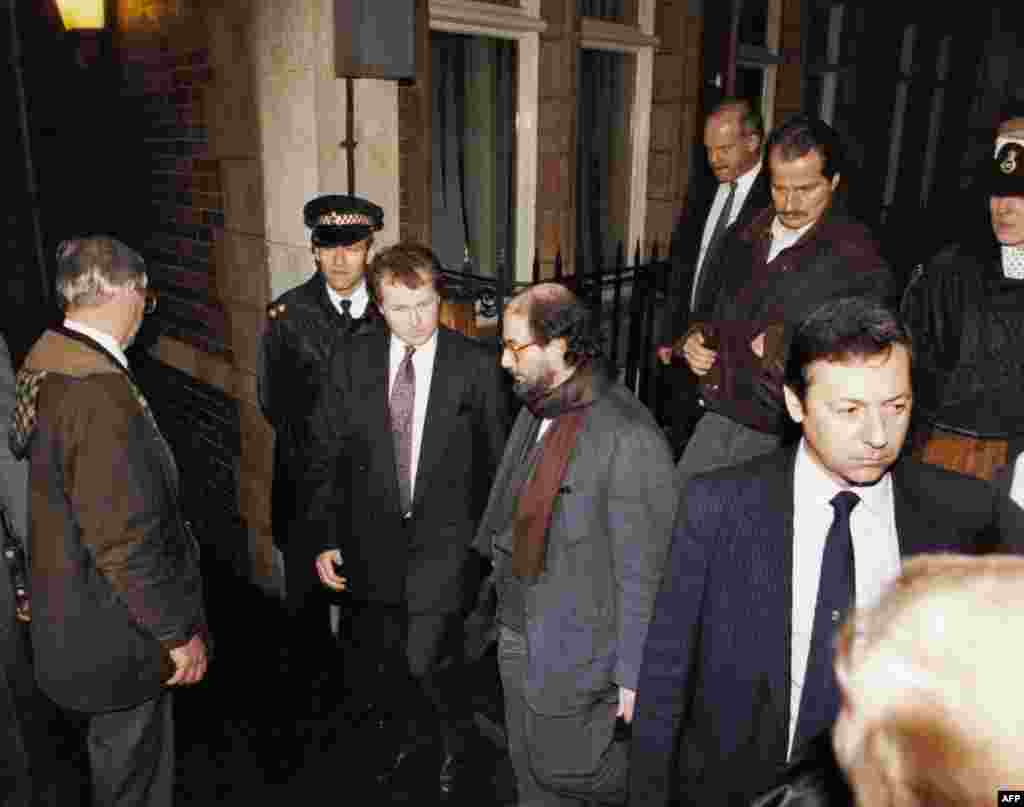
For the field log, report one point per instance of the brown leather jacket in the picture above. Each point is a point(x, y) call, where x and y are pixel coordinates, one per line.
point(114, 570)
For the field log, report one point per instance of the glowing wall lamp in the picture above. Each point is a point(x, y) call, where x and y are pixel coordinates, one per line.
point(82, 15)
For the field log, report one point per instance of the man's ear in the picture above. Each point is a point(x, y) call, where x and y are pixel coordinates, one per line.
point(793, 405)
point(835, 180)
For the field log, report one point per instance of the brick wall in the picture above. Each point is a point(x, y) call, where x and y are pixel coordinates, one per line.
point(202, 425)
point(187, 87)
point(789, 80)
point(556, 125)
point(186, 202)
point(675, 115)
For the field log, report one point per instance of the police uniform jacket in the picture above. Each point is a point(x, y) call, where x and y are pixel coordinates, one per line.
point(303, 330)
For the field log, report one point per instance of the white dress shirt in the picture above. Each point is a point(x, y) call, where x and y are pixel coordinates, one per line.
point(423, 366)
point(1013, 262)
point(104, 338)
point(360, 297)
point(1017, 484)
point(743, 186)
point(783, 237)
point(876, 555)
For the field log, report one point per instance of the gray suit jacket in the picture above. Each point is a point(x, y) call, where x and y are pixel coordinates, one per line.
point(587, 615)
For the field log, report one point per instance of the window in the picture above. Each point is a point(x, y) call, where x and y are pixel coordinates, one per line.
point(473, 161)
point(757, 54)
point(521, 27)
point(602, 155)
point(609, 10)
point(616, 82)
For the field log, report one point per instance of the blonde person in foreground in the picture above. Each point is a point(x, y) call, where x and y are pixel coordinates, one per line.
point(930, 679)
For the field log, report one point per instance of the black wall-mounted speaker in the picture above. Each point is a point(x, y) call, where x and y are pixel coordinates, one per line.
point(375, 38)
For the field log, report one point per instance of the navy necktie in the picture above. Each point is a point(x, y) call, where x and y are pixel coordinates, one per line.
point(819, 700)
point(346, 311)
point(402, 402)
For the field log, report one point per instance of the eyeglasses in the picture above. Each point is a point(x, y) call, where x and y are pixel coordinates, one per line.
point(151, 299)
point(515, 349)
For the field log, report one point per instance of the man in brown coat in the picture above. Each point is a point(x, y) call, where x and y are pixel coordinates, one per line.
point(117, 610)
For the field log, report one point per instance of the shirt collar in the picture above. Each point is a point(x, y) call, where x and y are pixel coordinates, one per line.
point(810, 481)
point(786, 235)
point(427, 349)
point(1013, 262)
point(359, 297)
point(745, 181)
point(104, 338)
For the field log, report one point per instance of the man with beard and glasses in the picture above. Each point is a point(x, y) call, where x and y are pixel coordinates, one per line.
point(577, 527)
point(768, 556)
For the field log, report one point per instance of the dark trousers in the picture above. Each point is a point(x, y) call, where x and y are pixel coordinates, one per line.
point(308, 604)
point(131, 755)
point(411, 664)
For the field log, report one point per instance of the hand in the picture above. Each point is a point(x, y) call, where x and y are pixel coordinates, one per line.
point(189, 662)
point(325, 563)
point(697, 356)
point(627, 701)
point(757, 345)
point(664, 354)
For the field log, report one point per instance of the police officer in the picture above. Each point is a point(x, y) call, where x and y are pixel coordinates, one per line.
point(304, 326)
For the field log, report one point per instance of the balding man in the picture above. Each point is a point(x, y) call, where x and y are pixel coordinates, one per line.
point(932, 709)
point(733, 139)
point(117, 602)
point(577, 526)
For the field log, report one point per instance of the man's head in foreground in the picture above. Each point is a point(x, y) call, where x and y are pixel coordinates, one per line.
point(931, 710)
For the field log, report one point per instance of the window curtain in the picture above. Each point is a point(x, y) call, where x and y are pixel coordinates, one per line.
point(473, 152)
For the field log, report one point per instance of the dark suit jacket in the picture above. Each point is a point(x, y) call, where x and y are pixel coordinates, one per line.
point(686, 241)
point(715, 680)
point(355, 484)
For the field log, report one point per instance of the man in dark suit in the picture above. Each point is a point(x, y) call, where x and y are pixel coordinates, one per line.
point(396, 498)
point(733, 139)
point(117, 607)
point(304, 325)
point(767, 556)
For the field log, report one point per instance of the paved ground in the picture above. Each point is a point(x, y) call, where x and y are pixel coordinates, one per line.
point(241, 743)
